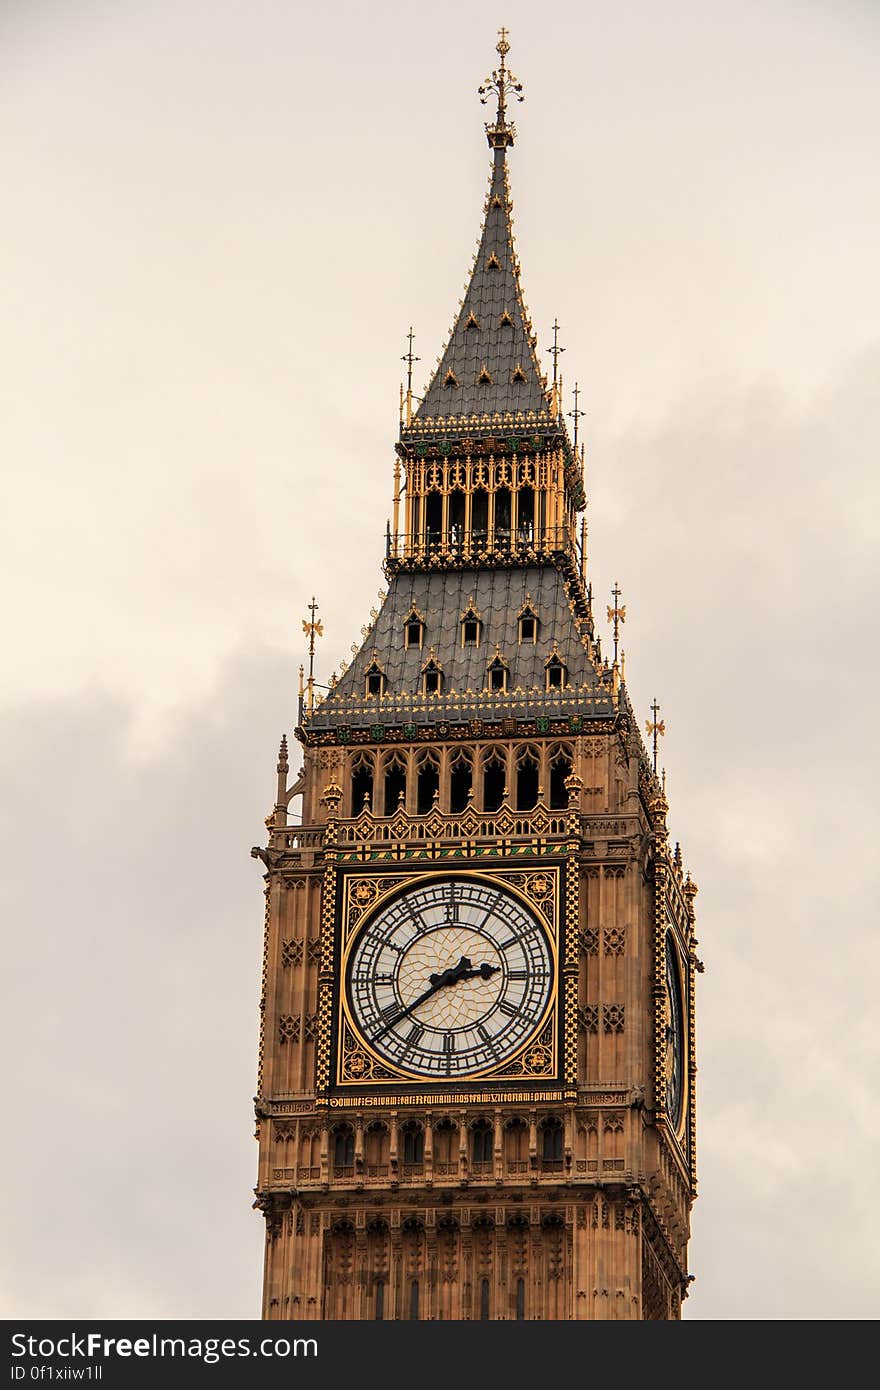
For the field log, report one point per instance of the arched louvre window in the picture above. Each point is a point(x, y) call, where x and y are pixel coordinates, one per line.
point(413, 1143)
point(494, 782)
point(460, 782)
point(482, 1142)
point(525, 515)
point(520, 1299)
point(343, 1147)
point(526, 780)
point(395, 784)
point(361, 783)
point(428, 783)
point(560, 768)
point(551, 1141)
point(479, 517)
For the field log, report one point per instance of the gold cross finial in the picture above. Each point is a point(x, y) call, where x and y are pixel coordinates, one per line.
point(577, 413)
point(503, 83)
point(617, 615)
point(312, 629)
point(655, 727)
point(556, 349)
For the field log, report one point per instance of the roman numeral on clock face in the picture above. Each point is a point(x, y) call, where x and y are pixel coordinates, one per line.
point(390, 1011)
point(448, 1042)
point(415, 1035)
point(507, 1009)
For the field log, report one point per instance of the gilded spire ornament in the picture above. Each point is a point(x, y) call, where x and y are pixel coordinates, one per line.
point(575, 414)
point(616, 615)
point(503, 83)
point(409, 358)
point(312, 629)
point(655, 727)
point(556, 350)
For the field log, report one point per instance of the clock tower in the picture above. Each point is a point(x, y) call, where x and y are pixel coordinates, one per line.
point(476, 1085)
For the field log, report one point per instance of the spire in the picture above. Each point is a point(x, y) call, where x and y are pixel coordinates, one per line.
point(502, 82)
point(489, 365)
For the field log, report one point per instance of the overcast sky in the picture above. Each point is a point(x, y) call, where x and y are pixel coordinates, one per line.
point(220, 221)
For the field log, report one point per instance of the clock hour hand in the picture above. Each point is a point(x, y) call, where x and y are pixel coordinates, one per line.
point(485, 972)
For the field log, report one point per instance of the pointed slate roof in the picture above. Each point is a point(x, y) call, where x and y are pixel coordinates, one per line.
point(497, 596)
point(489, 364)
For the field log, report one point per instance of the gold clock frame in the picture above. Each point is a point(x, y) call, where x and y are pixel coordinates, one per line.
point(364, 892)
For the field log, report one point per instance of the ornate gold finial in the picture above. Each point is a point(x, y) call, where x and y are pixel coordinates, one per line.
point(503, 83)
point(409, 358)
point(617, 615)
point(655, 728)
point(556, 349)
point(576, 414)
point(312, 630)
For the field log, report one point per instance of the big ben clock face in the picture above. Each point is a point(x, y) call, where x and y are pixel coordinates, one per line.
point(674, 1040)
point(449, 978)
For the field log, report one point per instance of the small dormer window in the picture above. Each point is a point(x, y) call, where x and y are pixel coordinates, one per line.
point(432, 678)
point(471, 626)
point(450, 378)
point(472, 321)
point(485, 377)
point(506, 321)
point(527, 619)
point(556, 671)
point(432, 675)
point(493, 262)
point(497, 675)
point(375, 679)
point(518, 374)
point(413, 630)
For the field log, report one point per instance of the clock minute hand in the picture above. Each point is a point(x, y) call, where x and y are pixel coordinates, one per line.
point(462, 971)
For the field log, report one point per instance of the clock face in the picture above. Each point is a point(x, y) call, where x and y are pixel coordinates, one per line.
point(450, 978)
point(674, 1040)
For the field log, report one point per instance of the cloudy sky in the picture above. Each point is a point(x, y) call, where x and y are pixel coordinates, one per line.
point(220, 220)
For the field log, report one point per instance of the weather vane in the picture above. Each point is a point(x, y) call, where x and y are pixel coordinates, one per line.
point(575, 414)
point(409, 358)
point(312, 630)
point(617, 615)
point(503, 83)
point(655, 728)
point(556, 349)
